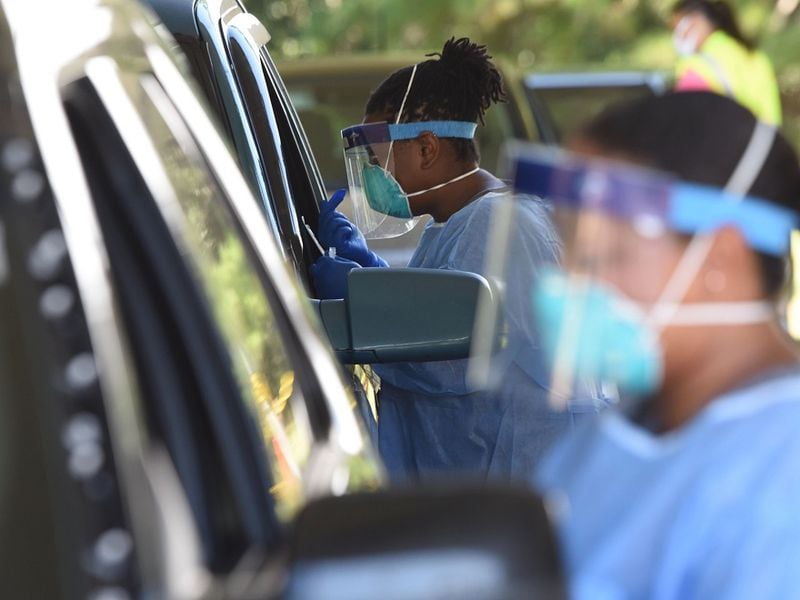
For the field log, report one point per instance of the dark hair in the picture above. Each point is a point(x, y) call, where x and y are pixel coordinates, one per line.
point(700, 137)
point(721, 16)
point(460, 84)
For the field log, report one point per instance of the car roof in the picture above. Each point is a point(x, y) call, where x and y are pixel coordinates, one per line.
point(588, 79)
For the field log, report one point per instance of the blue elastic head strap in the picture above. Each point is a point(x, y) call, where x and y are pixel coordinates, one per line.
point(444, 129)
point(629, 193)
point(383, 133)
point(767, 227)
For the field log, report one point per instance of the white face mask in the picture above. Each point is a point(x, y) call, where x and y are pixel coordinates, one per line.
point(685, 44)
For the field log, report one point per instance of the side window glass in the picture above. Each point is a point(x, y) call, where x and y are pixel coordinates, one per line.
point(217, 254)
point(273, 159)
point(304, 174)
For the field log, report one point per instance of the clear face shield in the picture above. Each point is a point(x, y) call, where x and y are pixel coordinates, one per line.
point(634, 242)
point(380, 208)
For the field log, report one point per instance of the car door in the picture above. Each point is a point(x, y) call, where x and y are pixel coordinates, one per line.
point(220, 395)
point(282, 373)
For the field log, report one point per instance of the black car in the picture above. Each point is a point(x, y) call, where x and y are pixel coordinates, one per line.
point(562, 101)
point(175, 425)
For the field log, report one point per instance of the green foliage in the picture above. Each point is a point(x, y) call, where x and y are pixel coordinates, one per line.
point(530, 32)
point(542, 35)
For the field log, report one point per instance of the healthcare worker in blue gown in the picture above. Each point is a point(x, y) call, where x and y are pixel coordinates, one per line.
point(414, 154)
point(673, 273)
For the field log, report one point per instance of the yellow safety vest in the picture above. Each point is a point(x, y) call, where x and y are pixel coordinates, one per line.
point(732, 70)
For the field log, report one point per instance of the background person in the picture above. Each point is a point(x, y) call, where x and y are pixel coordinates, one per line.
point(716, 56)
point(693, 492)
point(417, 133)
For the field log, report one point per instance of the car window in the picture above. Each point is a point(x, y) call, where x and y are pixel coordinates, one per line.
point(273, 153)
point(222, 262)
point(217, 256)
point(288, 164)
point(568, 108)
point(204, 63)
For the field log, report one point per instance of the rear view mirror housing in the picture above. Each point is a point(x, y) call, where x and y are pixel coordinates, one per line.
point(426, 542)
point(398, 315)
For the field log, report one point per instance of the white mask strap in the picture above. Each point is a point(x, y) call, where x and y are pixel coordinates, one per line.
point(441, 185)
point(752, 161)
point(739, 184)
point(400, 114)
point(721, 313)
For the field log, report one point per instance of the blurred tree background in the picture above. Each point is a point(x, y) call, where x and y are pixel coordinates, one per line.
point(534, 35)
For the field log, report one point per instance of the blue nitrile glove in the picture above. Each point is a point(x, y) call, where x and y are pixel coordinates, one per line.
point(330, 276)
point(336, 231)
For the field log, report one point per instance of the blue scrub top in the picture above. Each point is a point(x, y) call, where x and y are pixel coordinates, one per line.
point(430, 421)
point(711, 510)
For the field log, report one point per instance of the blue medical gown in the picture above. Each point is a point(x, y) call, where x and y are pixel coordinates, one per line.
point(431, 422)
point(711, 510)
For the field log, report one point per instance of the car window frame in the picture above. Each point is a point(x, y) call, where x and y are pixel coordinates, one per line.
point(242, 36)
point(334, 423)
point(230, 104)
point(306, 190)
point(235, 436)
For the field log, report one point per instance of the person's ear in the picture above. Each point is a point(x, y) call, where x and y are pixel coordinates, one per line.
point(731, 269)
point(428, 149)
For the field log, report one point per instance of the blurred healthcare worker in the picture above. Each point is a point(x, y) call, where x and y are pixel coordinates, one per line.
point(676, 214)
point(717, 57)
point(414, 154)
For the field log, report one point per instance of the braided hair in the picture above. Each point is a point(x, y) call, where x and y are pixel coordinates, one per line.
point(458, 84)
point(720, 15)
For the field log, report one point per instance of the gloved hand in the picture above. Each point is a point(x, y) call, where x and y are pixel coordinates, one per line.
point(330, 276)
point(336, 231)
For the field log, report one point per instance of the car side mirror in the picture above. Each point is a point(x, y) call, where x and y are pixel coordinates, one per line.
point(423, 542)
point(399, 315)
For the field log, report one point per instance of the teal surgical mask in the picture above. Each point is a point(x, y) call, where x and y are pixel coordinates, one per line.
point(385, 195)
point(590, 331)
